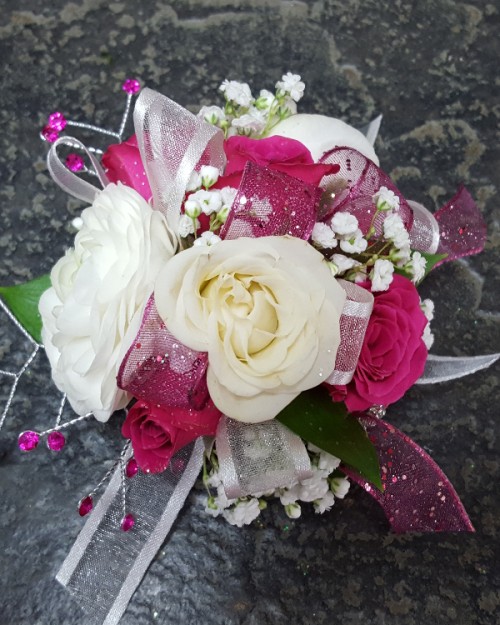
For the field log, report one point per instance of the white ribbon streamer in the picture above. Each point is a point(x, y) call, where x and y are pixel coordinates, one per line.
point(69, 181)
point(105, 565)
point(445, 368)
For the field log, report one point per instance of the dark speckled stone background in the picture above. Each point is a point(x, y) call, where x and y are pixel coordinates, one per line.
point(432, 68)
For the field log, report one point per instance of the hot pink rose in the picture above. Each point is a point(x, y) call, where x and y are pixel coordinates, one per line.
point(157, 433)
point(122, 162)
point(279, 153)
point(393, 354)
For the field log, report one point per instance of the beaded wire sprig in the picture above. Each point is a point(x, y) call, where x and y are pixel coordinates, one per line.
point(29, 439)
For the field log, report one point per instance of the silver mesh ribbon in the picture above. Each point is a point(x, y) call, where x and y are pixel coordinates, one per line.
point(105, 565)
point(444, 368)
point(66, 179)
point(259, 457)
point(173, 142)
point(424, 232)
point(353, 323)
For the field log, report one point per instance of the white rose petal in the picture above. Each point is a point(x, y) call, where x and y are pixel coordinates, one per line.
point(320, 134)
point(92, 312)
point(266, 310)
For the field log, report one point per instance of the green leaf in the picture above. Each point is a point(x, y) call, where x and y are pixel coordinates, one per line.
point(314, 417)
point(432, 260)
point(22, 301)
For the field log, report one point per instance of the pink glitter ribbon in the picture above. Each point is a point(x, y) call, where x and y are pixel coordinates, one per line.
point(457, 229)
point(271, 203)
point(160, 369)
point(417, 497)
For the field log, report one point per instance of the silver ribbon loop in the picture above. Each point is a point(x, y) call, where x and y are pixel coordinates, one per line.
point(259, 457)
point(105, 565)
point(66, 179)
point(172, 142)
point(424, 232)
point(444, 368)
point(353, 323)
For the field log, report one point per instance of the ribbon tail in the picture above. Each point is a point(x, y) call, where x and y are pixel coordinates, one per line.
point(371, 129)
point(444, 368)
point(105, 565)
point(417, 496)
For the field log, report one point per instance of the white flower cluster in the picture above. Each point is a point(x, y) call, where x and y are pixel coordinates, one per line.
point(320, 489)
point(427, 306)
point(215, 203)
point(372, 257)
point(254, 117)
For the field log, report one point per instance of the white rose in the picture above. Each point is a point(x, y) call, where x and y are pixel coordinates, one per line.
point(321, 134)
point(93, 310)
point(266, 310)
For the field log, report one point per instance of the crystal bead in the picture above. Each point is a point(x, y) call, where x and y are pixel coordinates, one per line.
point(131, 468)
point(49, 134)
point(74, 162)
point(131, 86)
point(28, 440)
point(85, 505)
point(57, 121)
point(128, 522)
point(56, 441)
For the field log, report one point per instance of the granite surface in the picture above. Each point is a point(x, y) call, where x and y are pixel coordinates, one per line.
point(432, 69)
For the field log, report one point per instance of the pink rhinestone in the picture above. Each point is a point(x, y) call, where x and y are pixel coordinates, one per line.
point(131, 86)
point(74, 162)
point(49, 134)
point(131, 468)
point(85, 505)
point(128, 522)
point(57, 121)
point(56, 441)
point(27, 441)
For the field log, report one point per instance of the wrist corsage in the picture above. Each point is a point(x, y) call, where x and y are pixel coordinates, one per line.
point(244, 287)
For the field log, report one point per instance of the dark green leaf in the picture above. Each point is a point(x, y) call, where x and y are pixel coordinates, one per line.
point(432, 260)
point(314, 417)
point(22, 301)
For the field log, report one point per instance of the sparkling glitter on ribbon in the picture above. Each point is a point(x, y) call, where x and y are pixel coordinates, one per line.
point(418, 497)
point(271, 203)
point(160, 369)
point(353, 187)
point(461, 226)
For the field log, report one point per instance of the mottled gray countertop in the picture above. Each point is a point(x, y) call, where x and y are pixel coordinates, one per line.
point(432, 69)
